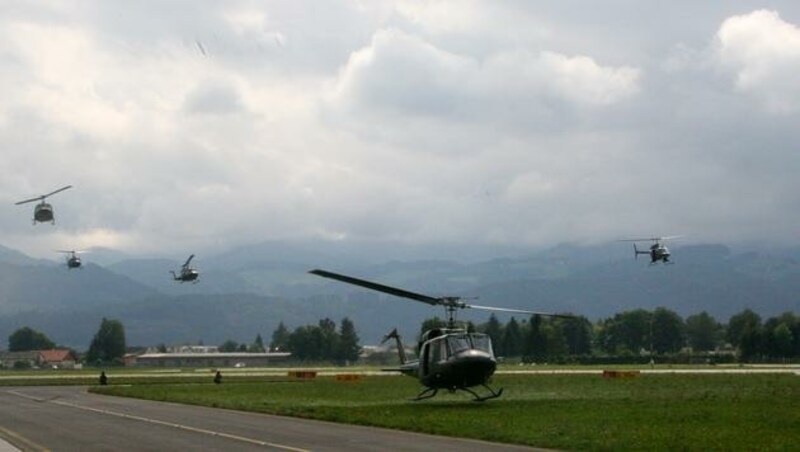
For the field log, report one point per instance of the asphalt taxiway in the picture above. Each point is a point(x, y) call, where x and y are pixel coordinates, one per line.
point(70, 418)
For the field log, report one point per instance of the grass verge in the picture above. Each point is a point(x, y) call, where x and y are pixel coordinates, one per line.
point(575, 412)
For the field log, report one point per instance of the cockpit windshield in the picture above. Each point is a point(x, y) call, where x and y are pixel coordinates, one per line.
point(460, 342)
point(481, 342)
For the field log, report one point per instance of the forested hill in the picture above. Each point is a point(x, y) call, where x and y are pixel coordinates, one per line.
point(239, 297)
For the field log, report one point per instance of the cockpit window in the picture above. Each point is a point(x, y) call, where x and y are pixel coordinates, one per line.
point(457, 343)
point(481, 342)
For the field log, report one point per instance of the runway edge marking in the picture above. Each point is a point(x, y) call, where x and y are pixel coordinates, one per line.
point(180, 426)
point(162, 423)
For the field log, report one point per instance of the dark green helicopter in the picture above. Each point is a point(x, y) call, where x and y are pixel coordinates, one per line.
point(450, 357)
point(43, 211)
point(72, 258)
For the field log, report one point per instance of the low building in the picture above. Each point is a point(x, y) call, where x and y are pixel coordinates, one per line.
point(58, 359)
point(34, 359)
point(20, 360)
point(236, 359)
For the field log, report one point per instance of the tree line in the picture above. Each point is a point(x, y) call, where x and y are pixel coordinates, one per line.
point(629, 335)
point(321, 342)
point(639, 332)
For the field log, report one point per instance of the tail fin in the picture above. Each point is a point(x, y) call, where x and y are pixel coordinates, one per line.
point(401, 351)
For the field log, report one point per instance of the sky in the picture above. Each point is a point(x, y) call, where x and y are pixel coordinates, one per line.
point(202, 125)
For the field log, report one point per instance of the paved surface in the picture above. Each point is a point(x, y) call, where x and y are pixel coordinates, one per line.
point(69, 418)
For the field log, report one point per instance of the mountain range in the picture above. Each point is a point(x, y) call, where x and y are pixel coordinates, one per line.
point(249, 290)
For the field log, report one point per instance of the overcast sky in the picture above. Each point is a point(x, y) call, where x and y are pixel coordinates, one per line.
point(204, 125)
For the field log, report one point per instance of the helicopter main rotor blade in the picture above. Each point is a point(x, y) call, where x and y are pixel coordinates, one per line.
point(38, 198)
point(379, 287)
point(188, 260)
point(518, 311)
point(57, 191)
point(651, 239)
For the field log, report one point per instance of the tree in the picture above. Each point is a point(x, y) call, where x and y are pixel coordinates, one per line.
point(229, 346)
point(494, 330)
point(782, 340)
point(280, 338)
point(745, 332)
point(667, 331)
point(780, 335)
point(348, 342)
point(737, 324)
point(329, 339)
point(535, 347)
point(577, 334)
point(627, 331)
point(702, 332)
point(257, 346)
point(25, 339)
point(303, 343)
point(512, 338)
point(108, 344)
point(750, 342)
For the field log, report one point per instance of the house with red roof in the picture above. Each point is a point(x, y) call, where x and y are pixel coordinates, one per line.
point(57, 359)
point(39, 359)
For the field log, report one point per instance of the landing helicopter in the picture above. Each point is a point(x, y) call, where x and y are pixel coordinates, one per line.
point(73, 260)
point(43, 211)
point(448, 357)
point(188, 274)
point(658, 252)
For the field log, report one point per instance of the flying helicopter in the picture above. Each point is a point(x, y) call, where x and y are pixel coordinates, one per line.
point(188, 274)
point(43, 211)
point(73, 260)
point(658, 251)
point(448, 357)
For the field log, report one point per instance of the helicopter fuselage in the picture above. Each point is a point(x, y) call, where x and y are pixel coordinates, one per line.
point(657, 252)
point(451, 359)
point(74, 262)
point(42, 213)
point(187, 276)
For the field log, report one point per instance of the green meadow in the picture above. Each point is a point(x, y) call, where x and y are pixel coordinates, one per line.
point(573, 412)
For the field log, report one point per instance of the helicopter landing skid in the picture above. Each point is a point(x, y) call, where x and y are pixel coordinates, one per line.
point(426, 394)
point(430, 392)
point(492, 394)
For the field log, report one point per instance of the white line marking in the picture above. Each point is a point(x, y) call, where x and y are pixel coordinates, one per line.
point(162, 423)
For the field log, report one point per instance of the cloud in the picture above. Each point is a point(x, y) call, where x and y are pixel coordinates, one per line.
point(403, 74)
point(213, 98)
point(762, 53)
point(410, 121)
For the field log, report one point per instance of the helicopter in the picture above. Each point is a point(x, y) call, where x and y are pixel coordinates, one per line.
point(43, 211)
point(658, 252)
point(188, 274)
point(448, 357)
point(73, 260)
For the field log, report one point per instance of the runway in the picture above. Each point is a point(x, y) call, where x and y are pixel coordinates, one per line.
point(69, 418)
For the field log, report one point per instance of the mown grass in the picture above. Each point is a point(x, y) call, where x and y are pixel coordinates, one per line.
point(575, 412)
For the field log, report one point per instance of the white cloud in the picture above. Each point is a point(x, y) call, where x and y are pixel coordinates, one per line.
point(763, 53)
point(411, 121)
point(402, 73)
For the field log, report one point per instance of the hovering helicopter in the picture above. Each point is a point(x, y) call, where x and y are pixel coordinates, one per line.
point(73, 260)
point(448, 357)
point(188, 274)
point(43, 211)
point(657, 252)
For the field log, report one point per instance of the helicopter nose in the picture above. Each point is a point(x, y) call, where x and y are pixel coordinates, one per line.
point(475, 366)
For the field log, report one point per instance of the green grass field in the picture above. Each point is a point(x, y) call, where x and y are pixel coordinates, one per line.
point(575, 412)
